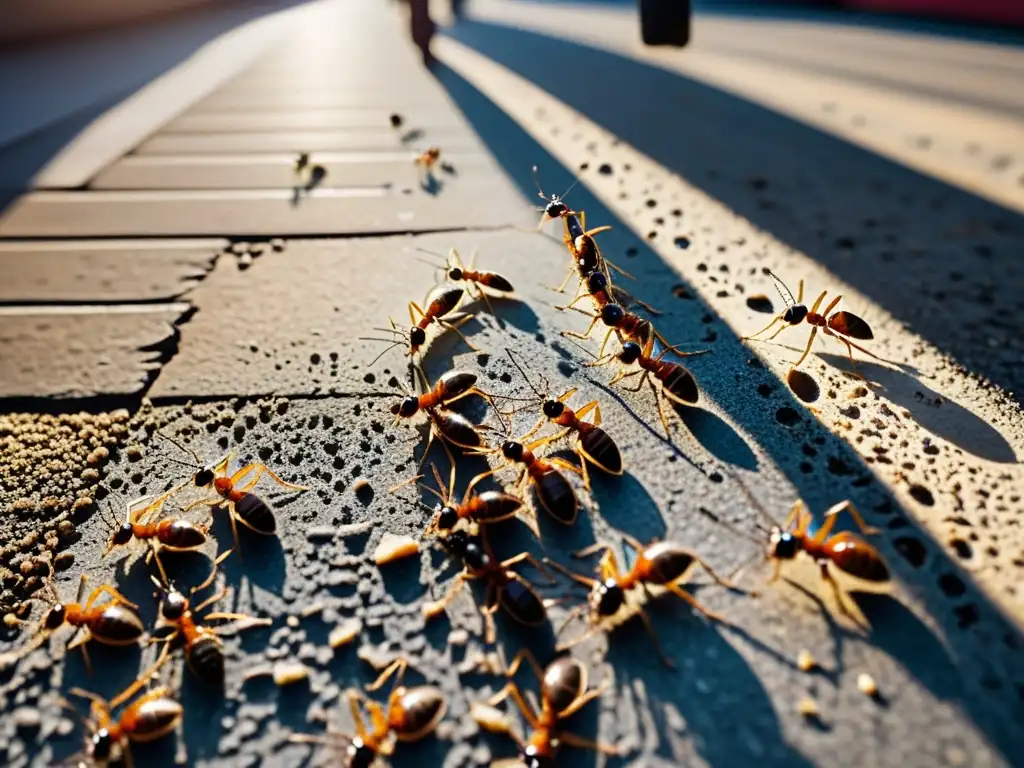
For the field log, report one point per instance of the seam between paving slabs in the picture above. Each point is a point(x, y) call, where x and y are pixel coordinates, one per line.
point(950, 491)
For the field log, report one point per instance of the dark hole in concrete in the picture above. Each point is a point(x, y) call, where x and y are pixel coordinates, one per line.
point(922, 495)
point(760, 303)
point(952, 585)
point(682, 242)
point(803, 385)
point(787, 416)
point(913, 551)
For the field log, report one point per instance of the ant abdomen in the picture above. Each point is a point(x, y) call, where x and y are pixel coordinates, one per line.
point(206, 659)
point(850, 325)
point(458, 430)
point(493, 506)
point(679, 385)
point(256, 514)
point(117, 625)
point(666, 562)
point(522, 603)
point(556, 496)
point(455, 383)
point(180, 535)
point(599, 448)
point(856, 557)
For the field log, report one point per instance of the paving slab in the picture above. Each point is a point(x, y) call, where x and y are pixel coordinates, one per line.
point(420, 121)
point(268, 171)
point(370, 140)
point(80, 352)
point(197, 213)
point(106, 271)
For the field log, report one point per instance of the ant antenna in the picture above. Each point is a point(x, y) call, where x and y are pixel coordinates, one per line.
point(780, 287)
point(729, 526)
point(183, 449)
point(536, 180)
point(758, 506)
point(571, 188)
point(391, 344)
point(526, 378)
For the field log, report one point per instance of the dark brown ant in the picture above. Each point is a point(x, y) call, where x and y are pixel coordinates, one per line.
point(411, 714)
point(602, 292)
point(474, 279)
point(114, 622)
point(204, 651)
point(838, 325)
point(504, 587)
point(555, 208)
point(440, 302)
point(150, 717)
point(301, 163)
point(593, 444)
point(845, 550)
point(661, 563)
point(677, 383)
point(170, 533)
point(428, 159)
point(447, 426)
point(563, 692)
point(234, 491)
point(481, 508)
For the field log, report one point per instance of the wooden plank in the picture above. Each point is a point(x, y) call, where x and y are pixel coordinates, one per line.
point(303, 141)
point(459, 203)
point(103, 271)
point(82, 351)
point(261, 171)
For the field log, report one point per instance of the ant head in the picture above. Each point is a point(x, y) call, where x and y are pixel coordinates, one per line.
point(54, 617)
point(359, 754)
point(795, 314)
point(407, 407)
point(122, 535)
point(456, 542)
point(607, 598)
point(596, 281)
point(417, 337)
point(553, 409)
point(556, 208)
point(783, 545)
point(631, 352)
point(173, 605)
point(455, 273)
point(512, 450)
point(101, 744)
point(447, 518)
point(532, 759)
point(474, 555)
point(612, 314)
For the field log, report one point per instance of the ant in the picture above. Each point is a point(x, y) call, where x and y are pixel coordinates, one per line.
point(204, 651)
point(428, 159)
point(602, 292)
point(244, 507)
point(411, 714)
point(563, 692)
point(172, 534)
point(677, 383)
point(629, 325)
point(456, 272)
point(661, 563)
point(555, 208)
point(150, 717)
point(838, 325)
point(593, 444)
point(845, 550)
point(447, 426)
point(482, 508)
point(440, 302)
point(114, 622)
point(504, 587)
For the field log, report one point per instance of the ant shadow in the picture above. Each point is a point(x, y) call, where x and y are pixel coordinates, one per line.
point(430, 184)
point(259, 559)
point(300, 191)
point(626, 506)
point(412, 135)
point(716, 435)
point(939, 415)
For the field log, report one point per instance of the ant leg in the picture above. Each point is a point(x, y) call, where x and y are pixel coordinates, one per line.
point(681, 593)
point(397, 667)
point(604, 343)
point(591, 406)
point(260, 469)
point(582, 701)
point(796, 513)
point(579, 297)
point(483, 476)
point(254, 620)
point(836, 592)
point(611, 265)
point(807, 349)
point(847, 506)
point(455, 327)
point(357, 714)
point(777, 570)
point(654, 638)
point(80, 642)
point(593, 548)
point(584, 473)
point(576, 335)
point(601, 361)
point(115, 597)
point(534, 429)
point(775, 319)
point(414, 306)
point(232, 514)
point(800, 292)
point(513, 690)
point(624, 373)
point(431, 610)
point(579, 577)
point(817, 302)
point(661, 410)
point(581, 743)
point(545, 440)
point(490, 607)
point(569, 467)
point(831, 305)
point(527, 655)
point(212, 502)
point(526, 557)
point(783, 327)
point(568, 276)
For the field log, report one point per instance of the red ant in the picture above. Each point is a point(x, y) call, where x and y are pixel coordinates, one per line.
point(593, 444)
point(170, 533)
point(474, 278)
point(845, 550)
point(412, 714)
point(244, 507)
point(563, 692)
point(627, 324)
point(482, 508)
point(838, 325)
point(661, 563)
point(114, 622)
point(447, 426)
point(555, 208)
point(204, 651)
point(150, 717)
point(428, 159)
point(505, 588)
point(440, 302)
point(677, 383)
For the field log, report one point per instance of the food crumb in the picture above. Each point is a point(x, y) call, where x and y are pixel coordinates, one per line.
point(805, 662)
point(866, 684)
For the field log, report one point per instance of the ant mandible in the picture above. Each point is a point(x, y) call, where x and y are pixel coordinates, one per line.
point(564, 691)
point(204, 651)
point(411, 714)
point(504, 587)
point(661, 563)
point(114, 623)
point(593, 444)
point(838, 325)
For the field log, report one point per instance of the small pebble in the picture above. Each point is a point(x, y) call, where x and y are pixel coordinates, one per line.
point(134, 452)
point(63, 561)
point(458, 637)
point(289, 672)
point(394, 547)
point(292, 621)
point(866, 684)
point(27, 718)
point(345, 633)
point(805, 662)
point(277, 244)
point(808, 707)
